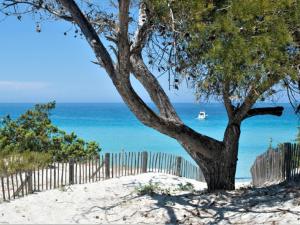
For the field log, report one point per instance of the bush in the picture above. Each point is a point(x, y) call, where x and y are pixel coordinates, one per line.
point(186, 187)
point(148, 189)
point(33, 131)
point(13, 162)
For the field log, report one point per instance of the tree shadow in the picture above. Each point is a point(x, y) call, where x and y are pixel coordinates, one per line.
point(213, 208)
point(222, 206)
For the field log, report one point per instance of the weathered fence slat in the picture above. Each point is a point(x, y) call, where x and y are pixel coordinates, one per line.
point(71, 171)
point(107, 160)
point(3, 190)
point(13, 186)
point(178, 166)
point(144, 162)
point(138, 163)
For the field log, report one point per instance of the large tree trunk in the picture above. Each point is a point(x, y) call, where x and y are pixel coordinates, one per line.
point(219, 171)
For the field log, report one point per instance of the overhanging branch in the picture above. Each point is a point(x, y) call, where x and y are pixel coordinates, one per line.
point(254, 93)
point(274, 111)
point(143, 31)
point(152, 86)
point(91, 36)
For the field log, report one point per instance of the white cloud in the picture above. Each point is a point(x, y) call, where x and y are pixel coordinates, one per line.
point(22, 85)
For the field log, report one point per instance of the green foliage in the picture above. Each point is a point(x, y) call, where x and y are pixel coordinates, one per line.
point(34, 132)
point(186, 187)
point(148, 189)
point(152, 188)
point(15, 161)
point(237, 46)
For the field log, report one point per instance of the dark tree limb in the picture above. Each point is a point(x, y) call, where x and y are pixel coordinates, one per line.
point(143, 31)
point(152, 86)
point(91, 36)
point(227, 102)
point(143, 74)
point(275, 111)
point(104, 21)
point(123, 40)
point(254, 93)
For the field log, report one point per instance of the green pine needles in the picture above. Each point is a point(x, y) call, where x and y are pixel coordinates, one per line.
point(233, 46)
point(32, 140)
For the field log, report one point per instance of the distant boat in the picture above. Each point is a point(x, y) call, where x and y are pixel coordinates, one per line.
point(202, 115)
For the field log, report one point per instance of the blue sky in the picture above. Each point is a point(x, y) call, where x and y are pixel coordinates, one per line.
point(46, 66)
point(40, 67)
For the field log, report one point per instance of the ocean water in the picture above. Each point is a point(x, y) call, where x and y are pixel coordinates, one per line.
point(115, 128)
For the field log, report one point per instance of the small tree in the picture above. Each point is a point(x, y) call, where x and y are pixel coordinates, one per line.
point(33, 131)
point(227, 26)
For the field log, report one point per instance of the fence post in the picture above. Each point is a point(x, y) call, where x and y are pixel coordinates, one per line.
point(3, 190)
point(144, 162)
point(178, 165)
point(30, 185)
point(107, 166)
point(287, 160)
point(71, 171)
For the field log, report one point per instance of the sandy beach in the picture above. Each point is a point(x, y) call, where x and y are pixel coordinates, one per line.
point(118, 201)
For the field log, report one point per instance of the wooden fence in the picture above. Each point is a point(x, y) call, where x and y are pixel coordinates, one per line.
point(277, 165)
point(110, 165)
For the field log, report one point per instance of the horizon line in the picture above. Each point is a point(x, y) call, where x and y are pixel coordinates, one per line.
point(79, 102)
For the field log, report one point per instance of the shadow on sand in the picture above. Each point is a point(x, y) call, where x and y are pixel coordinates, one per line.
point(222, 207)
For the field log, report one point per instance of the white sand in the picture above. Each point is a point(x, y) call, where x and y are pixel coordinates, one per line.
point(116, 201)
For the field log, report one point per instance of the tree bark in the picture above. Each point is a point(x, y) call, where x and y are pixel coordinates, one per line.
point(219, 171)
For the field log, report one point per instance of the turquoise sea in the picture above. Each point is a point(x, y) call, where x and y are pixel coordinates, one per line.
point(116, 129)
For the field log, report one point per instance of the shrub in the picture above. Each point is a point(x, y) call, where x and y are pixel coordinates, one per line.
point(33, 131)
point(148, 189)
point(13, 162)
point(186, 187)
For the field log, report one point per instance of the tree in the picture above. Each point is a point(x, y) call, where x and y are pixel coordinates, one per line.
point(217, 159)
point(33, 132)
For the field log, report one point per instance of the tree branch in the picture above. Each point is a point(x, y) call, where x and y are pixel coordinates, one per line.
point(152, 86)
point(142, 73)
point(123, 42)
point(91, 36)
point(102, 21)
point(143, 31)
point(227, 102)
point(201, 144)
point(275, 111)
point(252, 97)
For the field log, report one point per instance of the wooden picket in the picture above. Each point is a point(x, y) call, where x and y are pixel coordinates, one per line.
point(277, 165)
point(60, 174)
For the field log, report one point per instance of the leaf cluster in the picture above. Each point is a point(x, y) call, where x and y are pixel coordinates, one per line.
point(33, 131)
point(235, 46)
